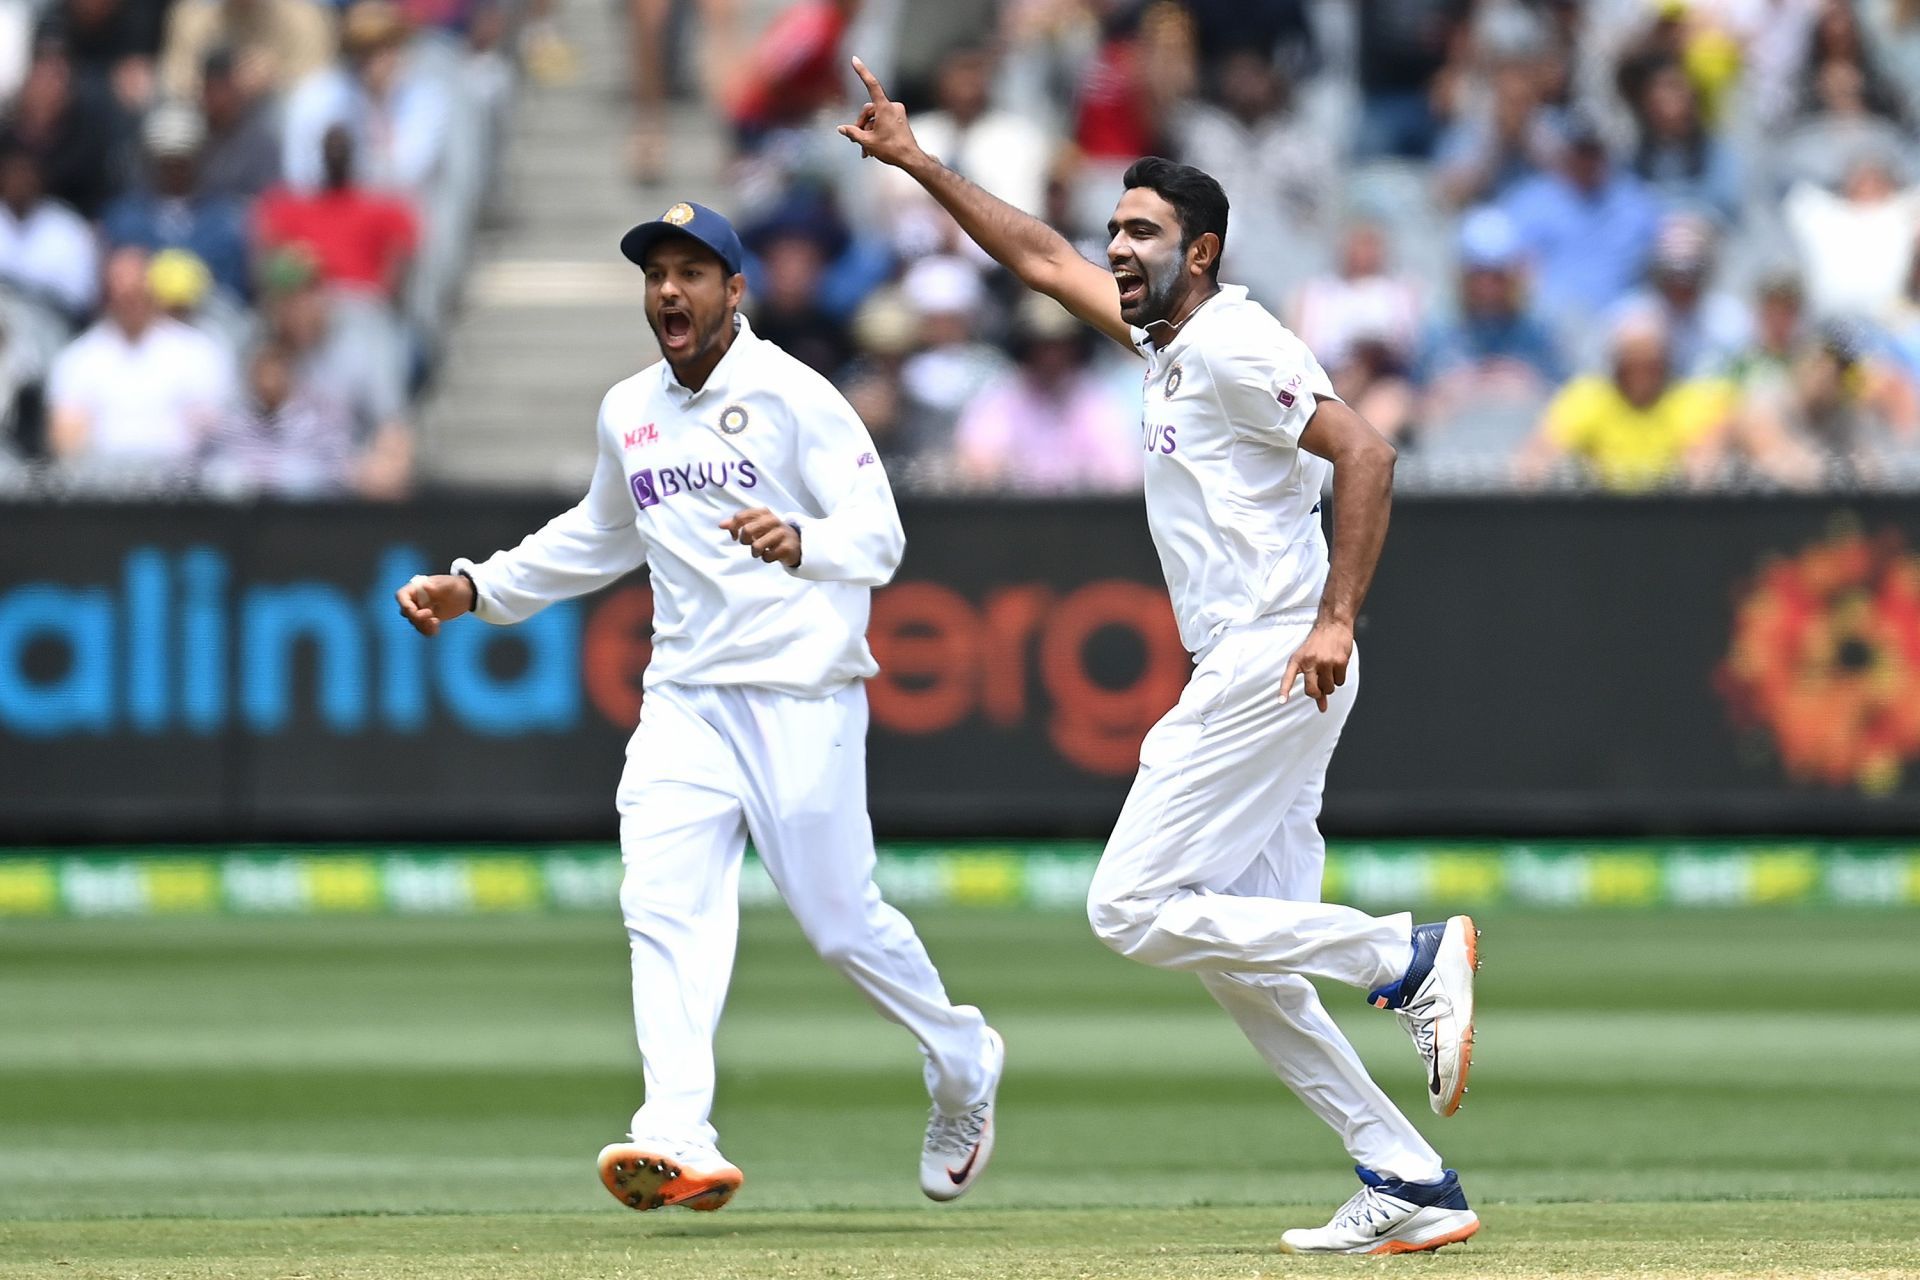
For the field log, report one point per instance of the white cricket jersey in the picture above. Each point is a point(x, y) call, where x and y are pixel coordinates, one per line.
point(765, 431)
point(1232, 499)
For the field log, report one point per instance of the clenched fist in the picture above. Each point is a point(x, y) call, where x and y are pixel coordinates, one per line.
point(768, 536)
point(426, 602)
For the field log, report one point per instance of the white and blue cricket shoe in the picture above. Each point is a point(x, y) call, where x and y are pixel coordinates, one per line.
point(959, 1143)
point(1434, 1001)
point(1387, 1215)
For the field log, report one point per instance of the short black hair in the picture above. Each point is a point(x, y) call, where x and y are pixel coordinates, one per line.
point(1197, 200)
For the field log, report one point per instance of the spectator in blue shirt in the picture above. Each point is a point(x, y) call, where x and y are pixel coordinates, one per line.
point(1494, 350)
point(1587, 227)
point(166, 212)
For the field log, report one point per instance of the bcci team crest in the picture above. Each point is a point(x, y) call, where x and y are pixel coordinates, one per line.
point(680, 215)
point(1173, 380)
point(733, 419)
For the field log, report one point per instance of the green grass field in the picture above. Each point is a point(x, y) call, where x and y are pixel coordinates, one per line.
point(1658, 1094)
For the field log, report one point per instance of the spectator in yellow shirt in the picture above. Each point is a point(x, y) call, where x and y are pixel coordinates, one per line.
point(1636, 428)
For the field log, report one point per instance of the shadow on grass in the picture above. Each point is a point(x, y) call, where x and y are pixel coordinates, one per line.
point(823, 1228)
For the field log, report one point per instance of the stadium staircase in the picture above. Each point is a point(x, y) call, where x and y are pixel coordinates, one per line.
point(552, 314)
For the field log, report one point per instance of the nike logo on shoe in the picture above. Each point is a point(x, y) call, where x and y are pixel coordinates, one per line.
point(959, 1175)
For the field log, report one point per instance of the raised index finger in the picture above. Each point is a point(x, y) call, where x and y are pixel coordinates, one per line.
point(874, 90)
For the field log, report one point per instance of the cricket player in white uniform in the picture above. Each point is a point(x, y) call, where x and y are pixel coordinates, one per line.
point(1215, 863)
point(751, 491)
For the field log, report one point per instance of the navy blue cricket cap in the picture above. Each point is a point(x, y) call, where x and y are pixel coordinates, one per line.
point(692, 220)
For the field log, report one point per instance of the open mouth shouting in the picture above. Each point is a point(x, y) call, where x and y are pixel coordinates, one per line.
point(1133, 286)
point(676, 330)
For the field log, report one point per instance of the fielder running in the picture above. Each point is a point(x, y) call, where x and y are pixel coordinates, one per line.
point(1215, 863)
point(751, 491)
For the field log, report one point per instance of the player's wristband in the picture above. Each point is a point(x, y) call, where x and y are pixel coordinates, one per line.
point(474, 605)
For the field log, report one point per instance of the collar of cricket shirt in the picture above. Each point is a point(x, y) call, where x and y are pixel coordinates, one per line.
point(722, 377)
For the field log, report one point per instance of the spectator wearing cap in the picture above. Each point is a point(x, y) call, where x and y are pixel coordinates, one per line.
point(1004, 153)
point(1676, 154)
point(788, 277)
point(1493, 350)
point(1857, 245)
point(77, 131)
point(167, 211)
point(1051, 425)
point(1707, 328)
point(343, 352)
point(394, 110)
point(1276, 168)
point(47, 251)
point(275, 45)
point(241, 155)
point(852, 264)
point(952, 364)
point(1587, 226)
point(180, 284)
point(361, 241)
point(1636, 427)
point(281, 438)
point(138, 390)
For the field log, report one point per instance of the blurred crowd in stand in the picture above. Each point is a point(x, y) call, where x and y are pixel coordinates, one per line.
point(231, 232)
point(1620, 245)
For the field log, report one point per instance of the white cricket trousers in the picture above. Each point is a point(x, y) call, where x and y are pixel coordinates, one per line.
point(709, 767)
point(1214, 867)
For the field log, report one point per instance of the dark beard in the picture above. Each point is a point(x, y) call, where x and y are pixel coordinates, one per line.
point(1157, 306)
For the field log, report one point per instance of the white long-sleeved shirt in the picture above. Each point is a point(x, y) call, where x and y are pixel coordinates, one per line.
point(765, 431)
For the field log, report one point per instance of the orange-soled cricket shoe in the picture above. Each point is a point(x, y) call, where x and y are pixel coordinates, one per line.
point(653, 1175)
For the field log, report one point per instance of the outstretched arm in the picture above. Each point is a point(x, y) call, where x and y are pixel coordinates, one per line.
point(1023, 244)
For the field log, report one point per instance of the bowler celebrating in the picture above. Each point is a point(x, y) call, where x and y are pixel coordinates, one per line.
point(1215, 863)
point(752, 492)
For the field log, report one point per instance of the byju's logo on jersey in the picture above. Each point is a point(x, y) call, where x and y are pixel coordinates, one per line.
point(1173, 380)
point(651, 487)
